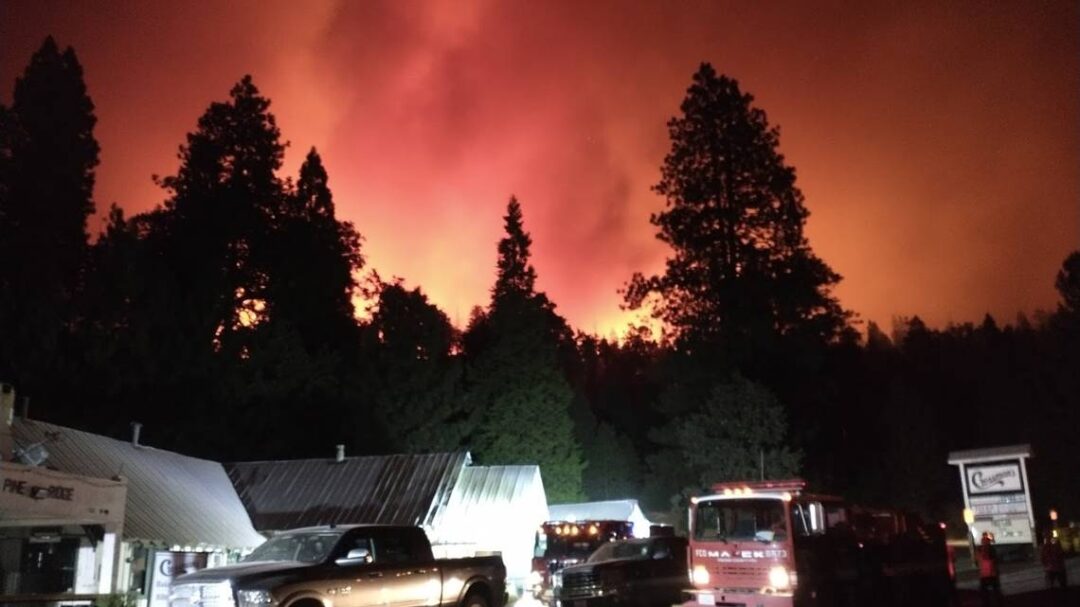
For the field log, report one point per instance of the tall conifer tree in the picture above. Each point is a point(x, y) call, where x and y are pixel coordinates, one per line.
point(741, 269)
point(517, 386)
point(311, 264)
point(47, 158)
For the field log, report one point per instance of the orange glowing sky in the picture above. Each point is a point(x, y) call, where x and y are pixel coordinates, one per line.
point(938, 146)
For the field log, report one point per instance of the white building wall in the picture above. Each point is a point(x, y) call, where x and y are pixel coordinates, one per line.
point(493, 510)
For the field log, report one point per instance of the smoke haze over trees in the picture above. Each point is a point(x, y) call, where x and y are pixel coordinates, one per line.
point(225, 319)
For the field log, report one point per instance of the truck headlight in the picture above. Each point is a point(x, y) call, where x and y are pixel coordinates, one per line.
point(535, 579)
point(556, 579)
point(254, 598)
point(779, 578)
point(699, 575)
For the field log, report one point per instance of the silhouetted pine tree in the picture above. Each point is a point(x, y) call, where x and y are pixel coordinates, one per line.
point(614, 468)
point(311, 264)
point(516, 386)
point(741, 270)
point(739, 426)
point(233, 301)
point(1067, 284)
point(47, 159)
point(223, 201)
point(413, 373)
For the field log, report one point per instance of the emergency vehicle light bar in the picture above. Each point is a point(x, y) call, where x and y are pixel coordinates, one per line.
point(793, 485)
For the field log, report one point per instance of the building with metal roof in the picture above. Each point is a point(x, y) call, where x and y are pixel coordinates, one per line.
point(390, 489)
point(85, 515)
point(172, 499)
point(465, 510)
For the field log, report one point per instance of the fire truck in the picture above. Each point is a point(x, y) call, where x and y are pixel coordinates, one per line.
point(773, 544)
point(563, 543)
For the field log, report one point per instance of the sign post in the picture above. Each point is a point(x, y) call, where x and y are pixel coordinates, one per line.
point(969, 520)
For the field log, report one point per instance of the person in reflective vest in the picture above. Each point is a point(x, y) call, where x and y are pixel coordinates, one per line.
point(1053, 560)
point(989, 578)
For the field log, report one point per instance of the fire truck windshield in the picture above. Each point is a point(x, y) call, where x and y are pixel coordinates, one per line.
point(576, 541)
point(575, 548)
point(741, 520)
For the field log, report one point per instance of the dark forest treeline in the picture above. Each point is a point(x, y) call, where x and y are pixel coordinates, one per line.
point(224, 321)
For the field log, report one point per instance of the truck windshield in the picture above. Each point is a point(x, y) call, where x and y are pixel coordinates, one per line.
point(302, 547)
point(576, 541)
point(572, 548)
point(625, 550)
point(742, 520)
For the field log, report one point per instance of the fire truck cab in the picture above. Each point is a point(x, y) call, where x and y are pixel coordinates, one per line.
point(563, 543)
point(772, 544)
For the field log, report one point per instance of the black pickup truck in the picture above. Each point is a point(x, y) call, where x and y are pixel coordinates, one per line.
point(640, 572)
point(353, 566)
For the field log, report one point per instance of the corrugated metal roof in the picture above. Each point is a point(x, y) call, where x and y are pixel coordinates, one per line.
point(494, 509)
point(171, 498)
point(391, 489)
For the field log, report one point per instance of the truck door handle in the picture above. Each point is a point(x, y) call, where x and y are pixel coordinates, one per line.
point(375, 574)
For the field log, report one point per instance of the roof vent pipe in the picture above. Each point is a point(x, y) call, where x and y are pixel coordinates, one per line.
point(340, 454)
point(136, 430)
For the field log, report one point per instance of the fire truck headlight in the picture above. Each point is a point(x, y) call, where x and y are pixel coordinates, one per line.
point(535, 579)
point(779, 578)
point(700, 575)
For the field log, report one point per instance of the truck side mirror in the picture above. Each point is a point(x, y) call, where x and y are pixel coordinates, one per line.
point(356, 556)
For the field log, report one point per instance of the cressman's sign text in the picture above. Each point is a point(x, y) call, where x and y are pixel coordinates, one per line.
point(995, 478)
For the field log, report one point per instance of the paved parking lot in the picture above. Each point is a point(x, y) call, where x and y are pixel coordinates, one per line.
point(1041, 598)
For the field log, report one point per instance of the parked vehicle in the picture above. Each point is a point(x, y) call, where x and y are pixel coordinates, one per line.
point(640, 572)
point(563, 543)
point(771, 544)
point(354, 566)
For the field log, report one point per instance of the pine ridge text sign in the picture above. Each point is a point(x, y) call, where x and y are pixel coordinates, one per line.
point(34, 494)
point(38, 492)
point(995, 478)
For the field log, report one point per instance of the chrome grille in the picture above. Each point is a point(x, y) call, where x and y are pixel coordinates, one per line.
point(201, 595)
point(580, 584)
point(744, 570)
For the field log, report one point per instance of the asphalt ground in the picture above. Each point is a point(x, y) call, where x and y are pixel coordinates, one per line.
point(1042, 598)
point(1023, 584)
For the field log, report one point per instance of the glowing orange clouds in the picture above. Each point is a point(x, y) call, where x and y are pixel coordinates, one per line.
point(938, 147)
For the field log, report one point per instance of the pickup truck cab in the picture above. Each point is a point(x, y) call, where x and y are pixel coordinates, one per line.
point(346, 566)
point(643, 572)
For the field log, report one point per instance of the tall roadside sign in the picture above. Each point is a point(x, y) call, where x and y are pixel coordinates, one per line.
point(997, 493)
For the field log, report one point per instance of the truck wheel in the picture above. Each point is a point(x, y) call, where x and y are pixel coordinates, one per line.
point(475, 599)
